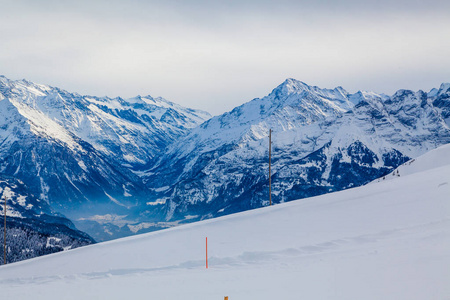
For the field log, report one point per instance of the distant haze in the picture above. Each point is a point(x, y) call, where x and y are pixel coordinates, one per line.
point(215, 55)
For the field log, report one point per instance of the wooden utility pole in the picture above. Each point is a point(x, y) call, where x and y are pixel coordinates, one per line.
point(270, 167)
point(4, 234)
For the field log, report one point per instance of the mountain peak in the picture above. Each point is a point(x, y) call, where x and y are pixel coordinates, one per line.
point(291, 85)
point(444, 88)
point(3, 79)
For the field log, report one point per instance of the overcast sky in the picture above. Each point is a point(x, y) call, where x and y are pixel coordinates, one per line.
point(215, 55)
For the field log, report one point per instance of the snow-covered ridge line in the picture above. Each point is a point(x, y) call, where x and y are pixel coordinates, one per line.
point(102, 121)
point(436, 158)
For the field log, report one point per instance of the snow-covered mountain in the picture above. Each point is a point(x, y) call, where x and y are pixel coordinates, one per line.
point(33, 228)
point(130, 131)
point(117, 167)
point(387, 240)
point(323, 141)
point(82, 154)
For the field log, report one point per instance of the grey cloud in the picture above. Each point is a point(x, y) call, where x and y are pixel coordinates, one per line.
point(217, 54)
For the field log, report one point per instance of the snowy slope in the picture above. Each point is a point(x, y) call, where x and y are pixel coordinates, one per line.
point(434, 159)
point(387, 240)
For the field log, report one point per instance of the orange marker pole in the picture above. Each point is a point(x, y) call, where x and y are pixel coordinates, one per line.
point(207, 252)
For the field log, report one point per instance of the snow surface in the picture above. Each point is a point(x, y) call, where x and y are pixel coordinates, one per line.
point(386, 240)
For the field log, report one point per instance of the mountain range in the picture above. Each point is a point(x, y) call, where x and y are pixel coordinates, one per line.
point(324, 140)
point(81, 154)
point(117, 167)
